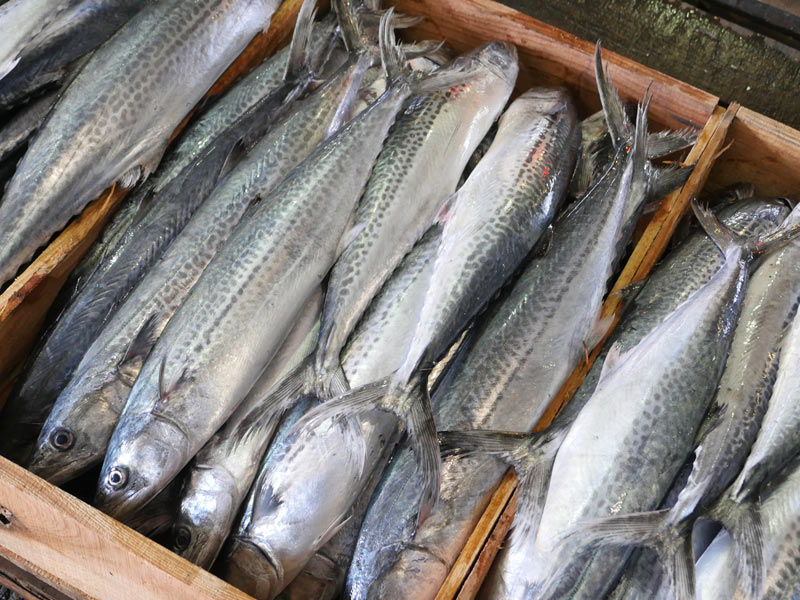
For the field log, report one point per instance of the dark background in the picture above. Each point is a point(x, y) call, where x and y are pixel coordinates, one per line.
point(742, 50)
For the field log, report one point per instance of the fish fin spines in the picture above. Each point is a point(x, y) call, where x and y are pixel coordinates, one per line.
point(666, 142)
point(616, 120)
point(298, 65)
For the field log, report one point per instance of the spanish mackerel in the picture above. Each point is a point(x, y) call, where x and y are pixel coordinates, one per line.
point(73, 32)
point(114, 120)
point(661, 389)
point(271, 550)
point(388, 550)
point(223, 471)
point(165, 203)
point(240, 310)
point(23, 124)
point(90, 405)
point(417, 170)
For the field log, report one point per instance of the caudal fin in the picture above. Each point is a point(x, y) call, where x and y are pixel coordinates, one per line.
point(619, 126)
point(411, 406)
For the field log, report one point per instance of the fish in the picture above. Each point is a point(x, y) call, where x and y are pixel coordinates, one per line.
point(436, 135)
point(77, 28)
point(109, 126)
point(267, 554)
point(221, 474)
point(524, 174)
point(164, 205)
point(237, 315)
point(89, 407)
point(23, 124)
point(600, 483)
point(716, 574)
point(489, 384)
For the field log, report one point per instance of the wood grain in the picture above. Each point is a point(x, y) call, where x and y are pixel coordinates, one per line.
point(25, 303)
point(553, 57)
point(86, 554)
point(476, 557)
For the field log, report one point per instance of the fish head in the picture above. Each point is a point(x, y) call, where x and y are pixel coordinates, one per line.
point(251, 568)
point(144, 455)
point(205, 515)
point(76, 433)
point(500, 58)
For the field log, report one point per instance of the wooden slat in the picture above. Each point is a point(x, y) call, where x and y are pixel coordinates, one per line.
point(85, 554)
point(553, 57)
point(24, 304)
point(476, 557)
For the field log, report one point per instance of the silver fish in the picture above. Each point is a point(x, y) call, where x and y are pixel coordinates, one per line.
point(221, 338)
point(270, 551)
point(72, 33)
point(23, 125)
point(110, 124)
point(436, 136)
point(223, 471)
point(388, 551)
point(89, 407)
point(165, 206)
point(717, 578)
point(630, 466)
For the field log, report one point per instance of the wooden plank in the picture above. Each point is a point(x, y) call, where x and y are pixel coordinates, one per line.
point(476, 557)
point(554, 57)
point(763, 152)
point(24, 304)
point(83, 553)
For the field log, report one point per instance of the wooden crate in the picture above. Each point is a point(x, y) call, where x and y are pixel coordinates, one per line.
point(52, 545)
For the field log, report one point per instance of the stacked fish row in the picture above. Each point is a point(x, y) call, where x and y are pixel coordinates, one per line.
point(245, 348)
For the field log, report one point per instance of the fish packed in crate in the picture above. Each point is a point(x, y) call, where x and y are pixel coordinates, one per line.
point(331, 312)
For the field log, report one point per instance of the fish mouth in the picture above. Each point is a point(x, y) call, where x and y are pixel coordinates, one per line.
point(252, 568)
point(499, 58)
point(54, 467)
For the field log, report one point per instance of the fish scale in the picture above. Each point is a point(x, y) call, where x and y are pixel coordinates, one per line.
point(114, 120)
point(90, 404)
point(237, 315)
point(416, 171)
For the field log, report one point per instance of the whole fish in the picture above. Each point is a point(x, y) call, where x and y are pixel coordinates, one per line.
point(223, 471)
point(75, 31)
point(417, 170)
point(89, 407)
point(165, 207)
point(269, 551)
point(114, 120)
point(661, 389)
point(388, 551)
point(24, 123)
point(239, 312)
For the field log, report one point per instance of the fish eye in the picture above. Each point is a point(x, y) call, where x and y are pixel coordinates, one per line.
point(62, 439)
point(183, 537)
point(117, 477)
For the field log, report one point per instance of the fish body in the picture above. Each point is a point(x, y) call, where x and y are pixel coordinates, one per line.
point(416, 172)
point(716, 570)
point(239, 312)
point(110, 125)
point(223, 471)
point(90, 405)
point(23, 125)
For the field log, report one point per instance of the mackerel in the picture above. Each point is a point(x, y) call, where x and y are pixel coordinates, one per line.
point(221, 474)
point(388, 549)
point(417, 170)
point(89, 407)
point(239, 312)
point(114, 120)
point(164, 209)
point(23, 124)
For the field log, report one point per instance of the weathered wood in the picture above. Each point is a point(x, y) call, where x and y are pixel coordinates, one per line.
point(688, 44)
point(648, 250)
point(83, 553)
point(24, 304)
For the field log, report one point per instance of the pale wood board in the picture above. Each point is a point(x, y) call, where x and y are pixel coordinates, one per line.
point(24, 304)
point(475, 559)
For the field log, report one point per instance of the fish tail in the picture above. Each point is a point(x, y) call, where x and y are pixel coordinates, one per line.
point(742, 520)
point(656, 530)
point(619, 126)
point(298, 65)
point(531, 455)
point(411, 406)
point(666, 142)
point(666, 179)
